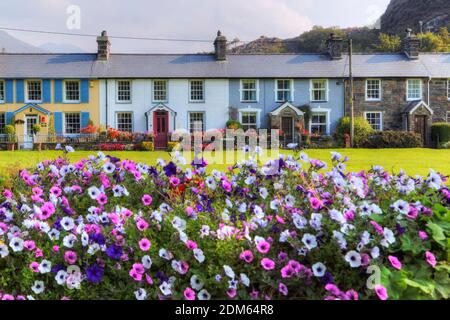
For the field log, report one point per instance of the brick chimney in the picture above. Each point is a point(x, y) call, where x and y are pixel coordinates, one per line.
point(411, 45)
point(334, 45)
point(220, 47)
point(104, 46)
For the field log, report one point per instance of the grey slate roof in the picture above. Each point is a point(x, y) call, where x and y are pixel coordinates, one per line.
point(205, 66)
point(46, 65)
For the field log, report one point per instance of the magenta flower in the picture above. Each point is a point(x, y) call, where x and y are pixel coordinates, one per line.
point(267, 264)
point(135, 275)
point(70, 257)
point(247, 256)
point(139, 268)
point(144, 244)
point(147, 200)
point(287, 271)
point(141, 224)
point(263, 247)
point(102, 199)
point(395, 262)
point(231, 292)
point(316, 204)
point(189, 294)
point(283, 289)
point(381, 292)
point(191, 245)
point(431, 259)
point(423, 235)
point(29, 245)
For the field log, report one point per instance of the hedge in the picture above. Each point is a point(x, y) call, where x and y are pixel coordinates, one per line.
point(440, 132)
point(392, 139)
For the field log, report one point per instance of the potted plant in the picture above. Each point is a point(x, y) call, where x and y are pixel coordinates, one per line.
point(10, 131)
point(36, 129)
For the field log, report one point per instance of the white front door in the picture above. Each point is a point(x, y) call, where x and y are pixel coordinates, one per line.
point(30, 121)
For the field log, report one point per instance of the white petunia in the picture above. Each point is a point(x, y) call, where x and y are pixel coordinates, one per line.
point(45, 266)
point(61, 277)
point(38, 287)
point(401, 206)
point(203, 295)
point(4, 252)
point(67, 223)
point(245, 280)
point(196, 283)
point(319, 269)
point(309, 240)
point(198, 255)
point(94, 192)
point(228, 271)
point(147, 262)
point(16, 244)
point(165, 288)
point(353, 258)
point(140, 294)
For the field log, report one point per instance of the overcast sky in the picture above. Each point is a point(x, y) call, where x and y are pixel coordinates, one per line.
point(199, 19)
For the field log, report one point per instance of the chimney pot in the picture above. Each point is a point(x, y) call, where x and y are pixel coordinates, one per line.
point(103, 46)
point(334, 44)
point(220, 47)
point(411, 45)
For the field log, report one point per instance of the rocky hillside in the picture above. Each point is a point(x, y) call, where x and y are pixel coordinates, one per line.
point(402, 14)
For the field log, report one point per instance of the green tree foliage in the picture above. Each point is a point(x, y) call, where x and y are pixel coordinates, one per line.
point(388, 43)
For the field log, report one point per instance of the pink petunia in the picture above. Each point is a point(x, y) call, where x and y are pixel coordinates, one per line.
point(135, 275)
point(395, 262)
point(144, 244)
point(247, 256)
point(316, 204)
point(263, 247)
point(70, 257)
point(381, 292)
point(29, 245)
point(431, 259)
point(189, 294)
point(147, 200)
point(191, 245)
point(102, 199)
point(141, 224)
point(423, 235)
point(231, 292)
point(267, 264)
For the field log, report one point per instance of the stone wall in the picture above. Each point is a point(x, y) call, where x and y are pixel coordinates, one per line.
point(439, 101)
point(392, 103)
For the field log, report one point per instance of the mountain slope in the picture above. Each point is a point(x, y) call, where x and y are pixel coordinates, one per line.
point(10, 44)
point(402, 14)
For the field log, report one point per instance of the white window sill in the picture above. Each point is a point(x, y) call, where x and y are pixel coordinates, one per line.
point(33, 101)
point(71, 101)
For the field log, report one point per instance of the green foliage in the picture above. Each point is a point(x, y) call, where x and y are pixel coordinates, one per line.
point(36, 128)
point(307, 113)
point(435, 42)
point(362, 130)
point(440, 132)
point(391, 139)
point(388, 43)
point(10, 130)
point(147, 146)
point(233, 124)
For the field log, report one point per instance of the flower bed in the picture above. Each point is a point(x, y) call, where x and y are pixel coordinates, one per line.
point(103, 228)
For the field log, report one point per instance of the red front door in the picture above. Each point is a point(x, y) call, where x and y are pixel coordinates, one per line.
point(161, 128)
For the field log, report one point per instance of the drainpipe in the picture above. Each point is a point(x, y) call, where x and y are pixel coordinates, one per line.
point(429, 101)
point(106, 103)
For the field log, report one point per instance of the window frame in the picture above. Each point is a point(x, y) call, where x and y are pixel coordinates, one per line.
point(448, 89)
point(381, 119)
point(256, 123)
point(191, 91)
point(27, 82)
point(448, 116)
point(290, 90)
point(190, 113)
point(408, 98)
point(380, 90)
point(130, 82)
point(2, 124)
point(118, 113)
point(312, 90)
point(3, 85)
point(65, 123)
point(256, 90)
point(65, 100)
point(166, 90)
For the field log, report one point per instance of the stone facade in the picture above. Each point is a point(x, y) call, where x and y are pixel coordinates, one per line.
point(392, 103)
point(439, 99)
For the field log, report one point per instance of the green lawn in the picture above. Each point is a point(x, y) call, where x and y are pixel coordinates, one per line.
point(413, 161)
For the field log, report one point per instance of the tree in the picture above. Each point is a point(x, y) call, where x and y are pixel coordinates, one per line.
point(388, 43)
